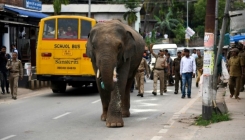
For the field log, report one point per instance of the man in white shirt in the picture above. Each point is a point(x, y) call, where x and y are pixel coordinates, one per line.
point(187, 71)
point(194, 54)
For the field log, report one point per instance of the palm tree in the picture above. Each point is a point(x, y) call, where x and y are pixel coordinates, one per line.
point(130, 15)
point(167, 22)
point(57, 5)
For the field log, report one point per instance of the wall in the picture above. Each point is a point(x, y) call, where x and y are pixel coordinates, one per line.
point(108, 16)
point(6, 40)
point(19, 3)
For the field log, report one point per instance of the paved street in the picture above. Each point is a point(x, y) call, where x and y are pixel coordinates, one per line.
point(75, 115)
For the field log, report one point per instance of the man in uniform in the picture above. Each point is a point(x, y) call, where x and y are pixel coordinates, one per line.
point(166, 71)
point(176, 72)
point(158, 70)
point(242, 55)
point(199, 65)
point(236, 70)
point(140, 75)
point(14, 66)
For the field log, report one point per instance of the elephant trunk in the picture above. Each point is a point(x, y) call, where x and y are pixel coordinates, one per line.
point(108, 76)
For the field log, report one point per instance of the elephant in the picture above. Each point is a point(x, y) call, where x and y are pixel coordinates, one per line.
point(116, 51)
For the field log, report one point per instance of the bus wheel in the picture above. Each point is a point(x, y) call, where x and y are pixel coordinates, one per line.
point(55, 91)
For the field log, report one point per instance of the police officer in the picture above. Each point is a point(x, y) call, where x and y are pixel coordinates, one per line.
point(236, 70)
point(199, 65)
point(242, 55)
point(176, 72)
point(158, 70)
point(140, 75)
point(166, 71)
point(14, 66)
point(3, 71)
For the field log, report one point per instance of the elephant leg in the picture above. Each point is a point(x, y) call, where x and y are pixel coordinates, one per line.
point(114, 115)
point(126, 99)
point(105, 100)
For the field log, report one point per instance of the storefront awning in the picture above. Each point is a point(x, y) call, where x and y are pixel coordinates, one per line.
point(237, 38)
point(27, 13)
point(16, 23)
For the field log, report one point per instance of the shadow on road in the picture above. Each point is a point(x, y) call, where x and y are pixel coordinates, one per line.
point(82, 91)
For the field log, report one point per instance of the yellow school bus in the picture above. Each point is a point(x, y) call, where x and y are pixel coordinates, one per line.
point(61, 52)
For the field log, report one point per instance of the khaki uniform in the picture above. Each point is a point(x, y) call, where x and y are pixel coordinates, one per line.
point(242, 55)
point(199, 65)
point(159, 72)
point(176, 65)
point(140, 75)
point(14, 73)
point(235, 64)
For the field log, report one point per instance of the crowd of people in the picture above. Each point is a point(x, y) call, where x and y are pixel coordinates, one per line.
point(187, 66)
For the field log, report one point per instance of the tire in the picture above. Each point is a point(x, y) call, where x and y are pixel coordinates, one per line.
point(55, 91)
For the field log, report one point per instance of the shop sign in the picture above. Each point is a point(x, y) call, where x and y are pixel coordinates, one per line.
point(34, 4)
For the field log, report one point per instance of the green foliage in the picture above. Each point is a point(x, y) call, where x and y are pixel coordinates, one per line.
point(166, 22)
point(215, 119)
point(57, 5)
point(152, 39)
point(179, 32)
point(237, 5)
point(130, 15)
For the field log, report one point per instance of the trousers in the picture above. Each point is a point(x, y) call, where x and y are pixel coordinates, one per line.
point(140, 81)
point(13, 81)
point(177, 80)
point(4, 82)
point(234, 82)
point(160, 74)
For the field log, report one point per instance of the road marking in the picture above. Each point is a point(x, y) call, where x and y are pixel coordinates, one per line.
point(156, 138)
point(163, 131)
point(96, 101)
point(8, 137)
point(61, 115)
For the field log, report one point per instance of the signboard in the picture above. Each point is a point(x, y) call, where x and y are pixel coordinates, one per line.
point(209, 40)
point(187, 36)
point(208, 63)
point(189, 31)
point(33, 4)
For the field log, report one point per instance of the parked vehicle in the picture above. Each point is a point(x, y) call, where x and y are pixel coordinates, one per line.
point(61, 52)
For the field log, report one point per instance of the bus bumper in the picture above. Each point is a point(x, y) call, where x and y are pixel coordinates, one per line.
point(65, 78)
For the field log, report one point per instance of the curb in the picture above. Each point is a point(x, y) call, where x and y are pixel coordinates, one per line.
point(36, 84)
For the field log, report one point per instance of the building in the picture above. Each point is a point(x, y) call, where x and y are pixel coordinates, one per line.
point(100, 12)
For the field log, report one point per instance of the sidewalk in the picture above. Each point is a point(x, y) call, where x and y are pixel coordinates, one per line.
point(22, 92)
point(183, 128)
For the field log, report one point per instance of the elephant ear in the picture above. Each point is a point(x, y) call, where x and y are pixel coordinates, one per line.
point(89, 46)
point(130, 46)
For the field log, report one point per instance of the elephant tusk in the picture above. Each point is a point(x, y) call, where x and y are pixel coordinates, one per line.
point(98, 73)
point(115, 75)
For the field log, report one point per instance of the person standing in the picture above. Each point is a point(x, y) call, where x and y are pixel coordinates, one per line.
point(4, 72)
point(140, 75)
point(158, 70)
point(15, 68)
point(187, 71)
point(236, 70)
point(176, 72)
point(166, 71)
point(199, 65)
point(242, 55)
point(194, 54)
point(170, 76)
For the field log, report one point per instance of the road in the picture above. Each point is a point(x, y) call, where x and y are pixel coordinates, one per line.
point(75, 115)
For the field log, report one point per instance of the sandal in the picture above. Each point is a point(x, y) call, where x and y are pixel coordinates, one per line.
point(231, 96)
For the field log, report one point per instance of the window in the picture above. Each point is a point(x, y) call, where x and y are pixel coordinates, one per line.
point(85, 28)
point(67, 28)
point(49, 29)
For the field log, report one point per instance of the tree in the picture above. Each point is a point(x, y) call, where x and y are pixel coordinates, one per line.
point(166, 22)
point(130, 15)
point(57, 5)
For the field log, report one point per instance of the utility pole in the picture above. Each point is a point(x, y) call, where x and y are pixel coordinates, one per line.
point(187, 22)
point(208, 60)
point(215, 51)
point(221, 104)
point(89, 8)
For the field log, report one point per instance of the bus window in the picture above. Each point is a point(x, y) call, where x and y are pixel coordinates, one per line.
point(67, 28)
point(85, 28)
point(49, 29)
